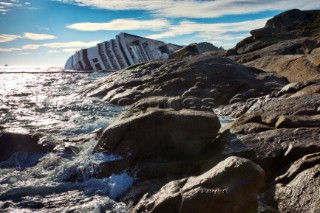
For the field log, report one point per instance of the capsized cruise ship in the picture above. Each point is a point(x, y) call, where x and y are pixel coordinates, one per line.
point(124, 51)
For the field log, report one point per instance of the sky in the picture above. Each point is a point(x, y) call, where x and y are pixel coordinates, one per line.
point(47, 32)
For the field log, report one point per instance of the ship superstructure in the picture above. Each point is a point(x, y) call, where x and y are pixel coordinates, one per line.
point(123, 51)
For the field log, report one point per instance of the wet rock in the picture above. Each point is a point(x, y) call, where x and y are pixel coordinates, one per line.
point(220, 189)
point(106, 169)
point(71, 150)
point(164, 134)
point(11, 142)
point(84, 138)
point(139, 189)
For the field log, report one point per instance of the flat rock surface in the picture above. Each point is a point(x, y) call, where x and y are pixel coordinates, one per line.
point(201, 76)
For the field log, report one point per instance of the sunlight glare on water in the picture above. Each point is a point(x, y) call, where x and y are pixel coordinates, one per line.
point(33, 100)
point(50, 102)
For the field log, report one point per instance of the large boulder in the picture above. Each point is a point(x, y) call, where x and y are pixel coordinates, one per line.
point(202, 76)
point(11, 142)
point(230, 186)
point(287, 19)
point(160, 134)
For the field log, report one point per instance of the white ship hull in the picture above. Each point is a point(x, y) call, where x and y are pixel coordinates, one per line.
point(124, 51)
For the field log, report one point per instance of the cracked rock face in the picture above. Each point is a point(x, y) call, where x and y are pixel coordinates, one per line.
point(280, 131)
point(298, 189)
point(230, 186)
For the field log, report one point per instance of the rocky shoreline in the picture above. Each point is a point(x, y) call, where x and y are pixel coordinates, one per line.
point(266, 161)
point(172, 142)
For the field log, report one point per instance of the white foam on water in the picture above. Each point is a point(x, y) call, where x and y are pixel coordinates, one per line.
point(224, 120)
point(53, 105)
point(112, 186)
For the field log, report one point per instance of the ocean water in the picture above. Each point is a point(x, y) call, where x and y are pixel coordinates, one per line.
point(47, 101)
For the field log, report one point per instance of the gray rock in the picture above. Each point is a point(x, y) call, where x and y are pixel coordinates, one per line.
point(298, 189)
point(309, 45)
point(160, 133)
point(262, 32)
point(11, 142)
point(230, 186)
point(298, 121)
point(255, 136)
point(286, 45)
point(202, 76)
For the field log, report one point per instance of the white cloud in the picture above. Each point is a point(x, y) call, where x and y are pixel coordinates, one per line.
point(8, 38)
point(225, 33)
point(34, 36)
point(31, 36)
point(24, 53)
point(121, 24)
point(43, 28)
point(209, 30)
point(30, 47)
point(72, 44)
point(53, 51)
point(196, 9)
point(220, 34)
point(9, 49)
point(7, 4)
point(66, 46)
point(70, 50)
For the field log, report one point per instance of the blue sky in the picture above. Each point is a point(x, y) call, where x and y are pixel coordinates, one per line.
point(47, 32)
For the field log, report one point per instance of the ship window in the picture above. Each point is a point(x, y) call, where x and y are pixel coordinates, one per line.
point(95, 60)
point(98, 66)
